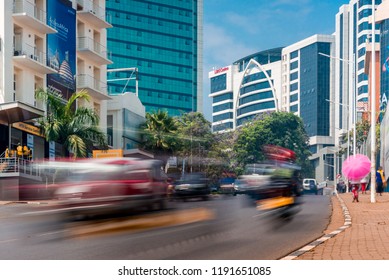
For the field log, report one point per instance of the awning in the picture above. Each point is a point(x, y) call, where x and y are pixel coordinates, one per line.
point(17, 111)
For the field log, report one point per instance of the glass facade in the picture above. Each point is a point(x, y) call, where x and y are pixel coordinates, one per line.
point(315, 89)
point(263, 57)
point(218, 83)
point(159, 37)
point(384, 43)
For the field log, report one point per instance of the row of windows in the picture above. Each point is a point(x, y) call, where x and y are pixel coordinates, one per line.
point(245, 119)
point(223, 126)
point(294, 54)
point(361, 65)
point(367, 2)
point(159, 11)
point(294, 87)
point(255, 77)
point(184, 72)
point(256, 97)
point(162, 40)
point(362, 52)
point(153, 53)
point(293, 98)
point(294, 108)
point(294, 65)
point(157, 68)
point(364, 13)
point(222, 107)
point(218, 83)
point(259, 86)
point(223, 97)
point(223, 116)
point(294, 76)
point(256, 107)
point(362, 77)
point(172, 84)
point(363, 39)
point(363, 89)
point(156, 26)
point(364, 26)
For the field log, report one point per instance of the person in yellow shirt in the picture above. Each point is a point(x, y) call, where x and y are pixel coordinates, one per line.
point(19, 151)
point(6, 152)
point(26, 152)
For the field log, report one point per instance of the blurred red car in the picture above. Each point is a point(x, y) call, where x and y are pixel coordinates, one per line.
point(102, 186)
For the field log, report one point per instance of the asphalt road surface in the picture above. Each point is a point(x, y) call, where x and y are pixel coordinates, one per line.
point(223, 228)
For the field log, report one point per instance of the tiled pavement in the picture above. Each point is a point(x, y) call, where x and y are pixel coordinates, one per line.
point(365, 238)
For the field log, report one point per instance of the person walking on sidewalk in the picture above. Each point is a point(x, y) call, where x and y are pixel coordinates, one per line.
point(355, 191)
point(363, 185)
point(380, 180)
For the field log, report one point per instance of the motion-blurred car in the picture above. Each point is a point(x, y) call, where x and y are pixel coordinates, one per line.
point(227, 185)
point(192, 185)
point(98, 187)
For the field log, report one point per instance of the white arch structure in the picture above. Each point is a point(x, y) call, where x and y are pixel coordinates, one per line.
point(255, 63)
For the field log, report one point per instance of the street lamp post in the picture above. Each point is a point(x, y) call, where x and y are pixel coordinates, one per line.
point(373, 111)
point(352, 97)
point(348, 131)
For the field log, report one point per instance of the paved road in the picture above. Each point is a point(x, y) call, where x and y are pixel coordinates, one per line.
point(221, 228)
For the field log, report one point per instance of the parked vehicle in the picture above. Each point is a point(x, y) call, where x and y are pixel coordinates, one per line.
point(311, 185)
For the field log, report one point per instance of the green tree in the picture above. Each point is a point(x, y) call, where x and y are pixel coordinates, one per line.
point(277, 128)
point(76, 129)
point(159, 132)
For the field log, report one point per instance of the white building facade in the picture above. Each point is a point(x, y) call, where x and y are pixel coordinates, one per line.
point(58, 45)
point(248, 87)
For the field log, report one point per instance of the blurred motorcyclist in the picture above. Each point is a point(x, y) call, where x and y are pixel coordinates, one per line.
point(284, 182)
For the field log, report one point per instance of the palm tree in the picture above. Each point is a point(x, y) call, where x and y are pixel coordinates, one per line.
point(158, 133)
point(76, 129)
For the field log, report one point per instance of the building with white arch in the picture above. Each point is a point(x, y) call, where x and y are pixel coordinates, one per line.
point(248, 87)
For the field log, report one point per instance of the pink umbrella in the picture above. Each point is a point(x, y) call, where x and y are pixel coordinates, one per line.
point(356, 167)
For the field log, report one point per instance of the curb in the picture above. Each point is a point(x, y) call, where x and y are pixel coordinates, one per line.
point(317, 242)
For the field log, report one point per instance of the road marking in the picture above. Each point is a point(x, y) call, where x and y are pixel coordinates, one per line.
point(9, 240)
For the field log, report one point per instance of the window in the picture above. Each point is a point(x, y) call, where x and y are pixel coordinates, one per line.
point(294, 54)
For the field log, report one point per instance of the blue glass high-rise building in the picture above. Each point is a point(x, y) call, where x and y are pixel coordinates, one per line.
point(163, 40)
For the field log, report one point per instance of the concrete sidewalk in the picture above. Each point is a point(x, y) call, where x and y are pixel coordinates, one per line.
point(357, 231)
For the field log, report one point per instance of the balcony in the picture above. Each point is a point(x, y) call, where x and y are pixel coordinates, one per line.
point(93, 50)
point(27, 14)
point(87, 11)
point(95, 88)
point(29, 56)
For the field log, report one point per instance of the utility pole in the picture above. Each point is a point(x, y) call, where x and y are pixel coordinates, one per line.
point(373, 111)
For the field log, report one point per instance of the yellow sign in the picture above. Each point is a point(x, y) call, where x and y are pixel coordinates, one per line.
point(107, 153)
point(27, 128)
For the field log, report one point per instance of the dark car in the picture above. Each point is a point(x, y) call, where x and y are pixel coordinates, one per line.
point(192, 185)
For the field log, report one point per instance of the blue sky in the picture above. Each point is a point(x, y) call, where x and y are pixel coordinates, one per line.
point(235, 29)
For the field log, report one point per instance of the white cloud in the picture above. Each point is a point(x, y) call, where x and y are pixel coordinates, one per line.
point(221, 48)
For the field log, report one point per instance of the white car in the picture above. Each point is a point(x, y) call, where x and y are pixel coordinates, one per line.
point(310, 185)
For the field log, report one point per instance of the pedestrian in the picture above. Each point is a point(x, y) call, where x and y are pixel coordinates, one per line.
point(363, 185)
point(6, 153)
point(19, 151)
point(355, 190)
point(380, 180)
point(26, 152)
